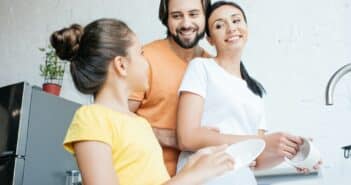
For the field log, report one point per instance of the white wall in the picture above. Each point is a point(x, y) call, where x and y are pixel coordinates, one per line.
point(27, 25)
point(295, 46)
point(293, 49)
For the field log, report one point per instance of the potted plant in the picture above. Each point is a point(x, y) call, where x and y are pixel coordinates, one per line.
point(52, 71)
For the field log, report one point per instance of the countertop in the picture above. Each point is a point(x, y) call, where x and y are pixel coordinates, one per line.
point(336, 173)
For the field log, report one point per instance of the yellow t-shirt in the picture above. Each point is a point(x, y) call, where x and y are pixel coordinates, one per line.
point(137, 155)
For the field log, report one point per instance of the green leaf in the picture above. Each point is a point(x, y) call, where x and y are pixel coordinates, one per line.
point(53, 68)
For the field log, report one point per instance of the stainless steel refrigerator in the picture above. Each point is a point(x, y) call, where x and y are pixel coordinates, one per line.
point(32, 128)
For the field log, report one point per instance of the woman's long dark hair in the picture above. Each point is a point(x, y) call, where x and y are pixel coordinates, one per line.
point(255, 86)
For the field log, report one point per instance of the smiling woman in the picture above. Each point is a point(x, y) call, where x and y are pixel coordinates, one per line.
point(233, 19)
point(219, 92)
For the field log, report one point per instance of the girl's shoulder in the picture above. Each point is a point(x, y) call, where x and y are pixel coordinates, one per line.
point(102, 113)
point(89, 114)
point(91, 109)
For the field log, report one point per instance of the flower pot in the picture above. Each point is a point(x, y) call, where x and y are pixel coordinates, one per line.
point(52, 88)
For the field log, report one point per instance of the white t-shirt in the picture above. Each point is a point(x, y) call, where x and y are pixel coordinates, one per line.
point(228, 105)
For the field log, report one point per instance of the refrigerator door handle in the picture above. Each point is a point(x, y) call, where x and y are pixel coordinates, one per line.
point(7, 154)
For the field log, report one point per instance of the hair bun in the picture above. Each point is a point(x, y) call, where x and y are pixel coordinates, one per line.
point(66, 41)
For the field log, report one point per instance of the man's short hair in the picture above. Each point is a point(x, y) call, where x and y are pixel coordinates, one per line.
point(163, 9)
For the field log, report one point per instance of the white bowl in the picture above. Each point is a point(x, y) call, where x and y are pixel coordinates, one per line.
point(245, 152)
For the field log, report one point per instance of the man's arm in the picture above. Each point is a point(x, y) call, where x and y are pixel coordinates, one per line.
point(133, 105)
point(166, 137)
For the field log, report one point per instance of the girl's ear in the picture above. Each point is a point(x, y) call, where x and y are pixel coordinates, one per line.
point(209, 40)
point(120, 65)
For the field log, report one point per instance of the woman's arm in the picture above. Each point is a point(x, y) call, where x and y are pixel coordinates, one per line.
point(191, 136)
point(95, 163)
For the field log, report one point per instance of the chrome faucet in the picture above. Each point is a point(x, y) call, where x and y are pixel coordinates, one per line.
point(329, 96)
point(329, 93)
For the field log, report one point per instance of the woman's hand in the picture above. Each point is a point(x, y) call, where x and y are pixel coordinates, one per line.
point(307, 171)
point(282, 144)
point(253, 165)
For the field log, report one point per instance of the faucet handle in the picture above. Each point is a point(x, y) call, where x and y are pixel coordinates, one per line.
point(347, 151)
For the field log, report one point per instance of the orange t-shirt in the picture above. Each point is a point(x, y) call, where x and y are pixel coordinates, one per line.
point(159, 104)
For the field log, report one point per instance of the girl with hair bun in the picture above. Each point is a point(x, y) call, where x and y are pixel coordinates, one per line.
point(111, 144)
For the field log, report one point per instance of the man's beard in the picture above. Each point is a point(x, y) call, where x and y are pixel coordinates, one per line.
point(186, 44)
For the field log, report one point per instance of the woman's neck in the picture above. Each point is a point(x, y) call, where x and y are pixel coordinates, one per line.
point(114, 98)
point(230, 61)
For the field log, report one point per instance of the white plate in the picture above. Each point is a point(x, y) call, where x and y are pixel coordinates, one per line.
point(245, 152)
